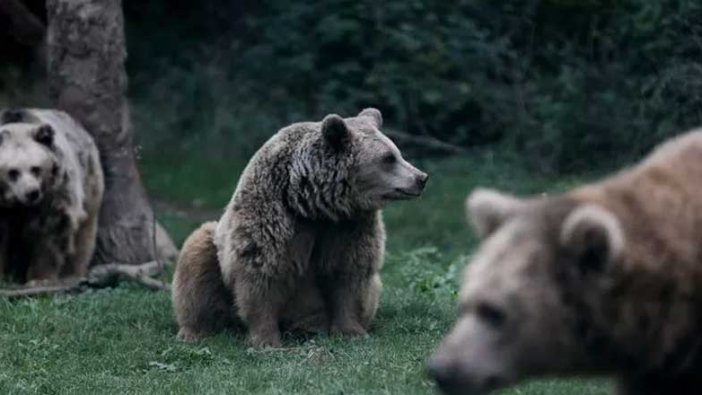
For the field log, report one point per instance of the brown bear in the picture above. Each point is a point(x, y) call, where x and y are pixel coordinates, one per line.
point(603, 280)
point(301, 243)
point(51, 187)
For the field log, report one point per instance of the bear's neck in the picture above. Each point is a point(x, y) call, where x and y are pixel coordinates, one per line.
point(320, 189)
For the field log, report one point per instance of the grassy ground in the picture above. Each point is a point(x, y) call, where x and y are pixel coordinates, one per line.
point(122, 341)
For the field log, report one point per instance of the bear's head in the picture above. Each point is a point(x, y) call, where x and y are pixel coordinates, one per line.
point(28, 163)
point(379, 174)
point(358, 168)
point(520, 312)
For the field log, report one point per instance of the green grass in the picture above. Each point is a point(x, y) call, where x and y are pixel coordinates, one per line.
point(122, 341)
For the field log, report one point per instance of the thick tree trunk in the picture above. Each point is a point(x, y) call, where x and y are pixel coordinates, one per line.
point(87, 79)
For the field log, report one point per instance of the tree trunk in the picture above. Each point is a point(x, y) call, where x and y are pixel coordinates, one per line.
point(87, 79)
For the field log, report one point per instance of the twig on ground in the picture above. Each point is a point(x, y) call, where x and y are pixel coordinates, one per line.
point(101, 276)
point(58, 287)
point(104, 275)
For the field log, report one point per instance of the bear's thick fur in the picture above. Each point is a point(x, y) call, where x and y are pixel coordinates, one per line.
point(603, 280)
point(203, 304)
point(302, 240)
point(201, 301)
point(51, 187)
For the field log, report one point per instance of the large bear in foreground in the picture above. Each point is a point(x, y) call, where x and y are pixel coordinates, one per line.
point(603, 280)
point(51, 188)
point(302, 240)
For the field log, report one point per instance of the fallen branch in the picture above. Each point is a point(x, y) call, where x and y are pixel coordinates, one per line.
point(104, 275)
point(101, 276)
point(425, 141)
point(60, 287)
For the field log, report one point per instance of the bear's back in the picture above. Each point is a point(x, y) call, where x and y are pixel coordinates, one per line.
point(69, 133)
point(659, 204)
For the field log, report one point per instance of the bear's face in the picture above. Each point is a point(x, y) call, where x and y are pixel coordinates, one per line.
point(378, 173)
point(514, 321)
point(28, 165)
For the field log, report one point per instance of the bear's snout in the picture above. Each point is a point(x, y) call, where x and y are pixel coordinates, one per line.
point(32, 196)
point(422, 180)
point(449, 378)
point(440, 371)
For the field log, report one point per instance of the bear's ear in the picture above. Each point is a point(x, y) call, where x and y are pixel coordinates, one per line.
point(488, 209)
point(335, 131)
point(44, 135)
point(594, 236)
point(374, 114)
point(11, 116)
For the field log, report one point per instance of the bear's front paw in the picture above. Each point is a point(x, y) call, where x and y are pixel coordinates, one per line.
point(349, 328)
point(265, 340)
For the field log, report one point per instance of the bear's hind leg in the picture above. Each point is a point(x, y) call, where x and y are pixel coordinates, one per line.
point(201, 302)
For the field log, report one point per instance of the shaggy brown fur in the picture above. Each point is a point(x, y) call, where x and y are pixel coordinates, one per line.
point(203, 304)
point(605, 279)
point(201, 301)
point(302, 240)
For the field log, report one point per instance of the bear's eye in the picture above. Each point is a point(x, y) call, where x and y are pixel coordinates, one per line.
point(492, 315)
point(36, 171)
point(389, 158)
point(13, 174)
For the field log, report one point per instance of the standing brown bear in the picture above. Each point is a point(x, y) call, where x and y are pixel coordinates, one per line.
point(51, 187)
point(302, 240)
point(603, 280)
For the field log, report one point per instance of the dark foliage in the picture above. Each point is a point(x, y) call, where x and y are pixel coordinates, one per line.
point(569, 85)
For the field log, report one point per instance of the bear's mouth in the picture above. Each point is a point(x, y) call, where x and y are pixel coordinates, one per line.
point(402, 194)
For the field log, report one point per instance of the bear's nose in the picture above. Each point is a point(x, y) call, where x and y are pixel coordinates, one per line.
point(440, 371)
point(445, 373)
point(33, 196)
point(422, 180)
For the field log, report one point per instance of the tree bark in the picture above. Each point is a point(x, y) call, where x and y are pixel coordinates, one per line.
point(87, 79)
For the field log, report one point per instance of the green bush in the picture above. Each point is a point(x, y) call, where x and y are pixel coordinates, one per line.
point(567, 84)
